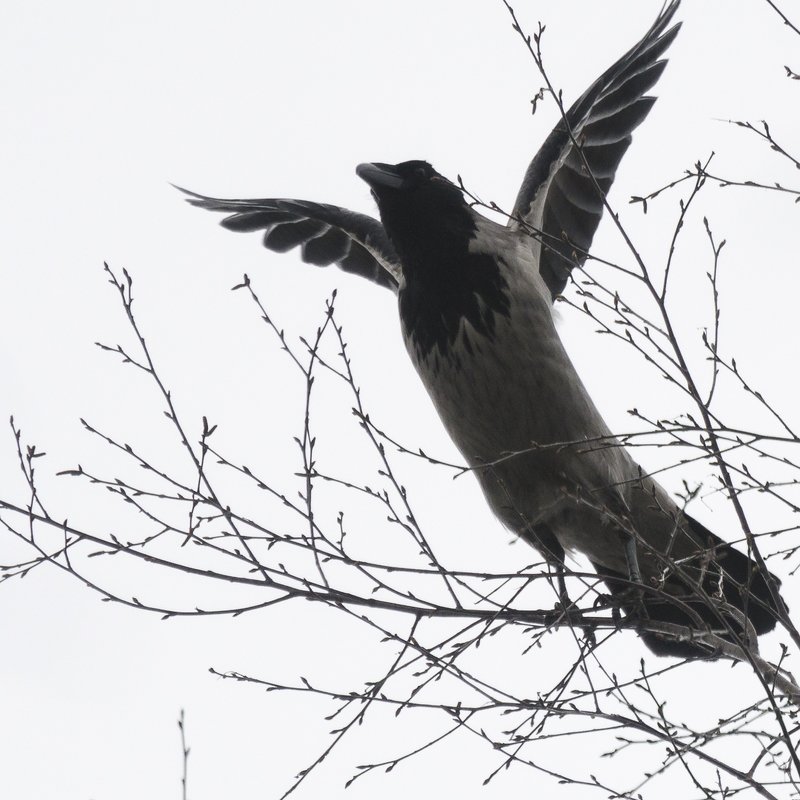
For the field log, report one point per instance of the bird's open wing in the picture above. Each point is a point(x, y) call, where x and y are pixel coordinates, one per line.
point(325, 234)
point(559, 197)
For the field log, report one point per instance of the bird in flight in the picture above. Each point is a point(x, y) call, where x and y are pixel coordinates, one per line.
point(475, 302)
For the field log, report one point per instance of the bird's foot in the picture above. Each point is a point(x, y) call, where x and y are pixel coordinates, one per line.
point(565, 612)
point(631, 601)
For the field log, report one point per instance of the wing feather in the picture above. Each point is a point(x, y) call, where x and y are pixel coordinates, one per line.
point(560, 198)
point(325, 234)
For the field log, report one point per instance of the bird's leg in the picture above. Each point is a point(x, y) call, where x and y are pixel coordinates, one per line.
point(546, 542)
point(563, 596)
point(634, 574)
point(631, 558)
point(565, 609)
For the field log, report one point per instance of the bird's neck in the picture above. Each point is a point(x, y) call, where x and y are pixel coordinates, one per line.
point(431, 242)
point(447, 282)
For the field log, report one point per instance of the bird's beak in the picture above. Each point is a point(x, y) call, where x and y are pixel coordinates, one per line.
point(380, 176)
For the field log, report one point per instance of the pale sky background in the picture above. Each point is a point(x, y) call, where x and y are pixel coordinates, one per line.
point(105, 104)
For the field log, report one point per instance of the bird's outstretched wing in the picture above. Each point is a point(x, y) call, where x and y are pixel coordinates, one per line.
point(560, 198)
point(325, 234)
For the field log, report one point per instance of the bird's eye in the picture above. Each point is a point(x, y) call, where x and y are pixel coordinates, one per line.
point(420, 172)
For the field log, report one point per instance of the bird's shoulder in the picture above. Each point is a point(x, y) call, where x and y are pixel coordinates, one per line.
point(516, 260)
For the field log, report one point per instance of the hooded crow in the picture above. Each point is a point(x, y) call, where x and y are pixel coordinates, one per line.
point(475, 302)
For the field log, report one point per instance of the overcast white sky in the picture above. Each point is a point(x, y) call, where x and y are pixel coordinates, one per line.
point(105, 104)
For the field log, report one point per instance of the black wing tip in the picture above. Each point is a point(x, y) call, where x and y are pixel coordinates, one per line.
point(229, 205)
point(195, 199)
point(666, 14)
point(188, 192)
point(658, 37)
point(668, 37)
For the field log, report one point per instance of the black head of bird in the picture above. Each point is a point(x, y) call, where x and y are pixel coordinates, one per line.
point(433, 230)
point(419, 208)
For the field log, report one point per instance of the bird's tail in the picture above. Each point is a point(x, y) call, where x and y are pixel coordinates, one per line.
point(728, 578)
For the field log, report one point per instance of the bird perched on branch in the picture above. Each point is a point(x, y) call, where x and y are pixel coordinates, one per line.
point(475, 302)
